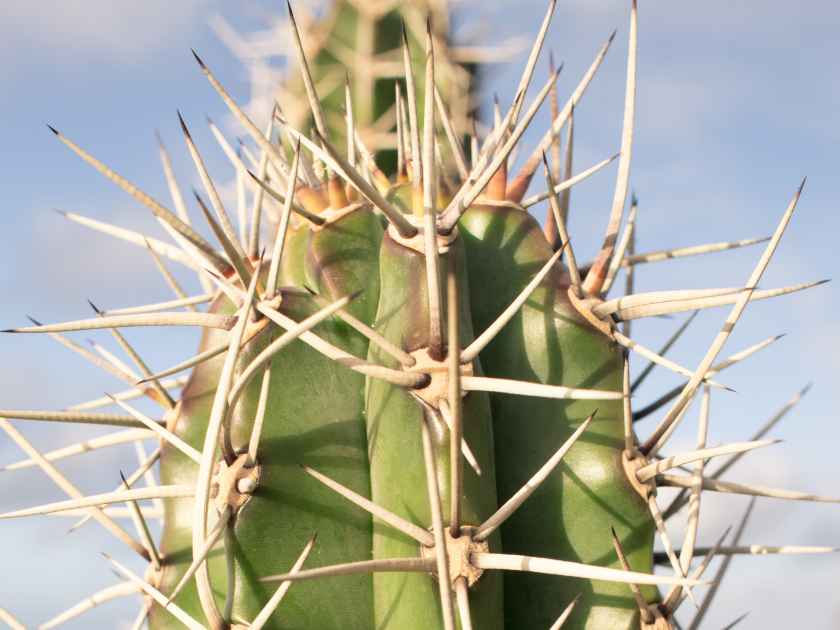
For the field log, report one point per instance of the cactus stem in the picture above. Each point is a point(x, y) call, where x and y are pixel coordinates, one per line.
point(594, 282)
point(650, 355)
point(521, 495)
point(441, 554)
point(568, 183)
point(559, 237)
point(144, 467)
point(472, 351)
point(694, 250)
point(525, 388)
point(162, 492)
point(408, 528)
point(662, 352)
point(549, 566)
point(388, 565)
point(162, 213)
point(206, 320)
point(271, 605)
point(111, 439)
point(657, 439)
point(454, 414)
point(185, 302)
point(212, 538)
point(107, 594)
point(519, 186)
point(721, 572)
point(644, 610)
point(463, 601)
point(164, 433)
point(155, 594)
point(623, 243)
point(565, 614)
point(142, 528)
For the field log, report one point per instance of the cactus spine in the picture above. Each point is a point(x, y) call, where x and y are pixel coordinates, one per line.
point(408, 412)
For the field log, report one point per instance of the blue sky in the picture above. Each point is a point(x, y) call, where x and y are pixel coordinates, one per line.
point(737, 101)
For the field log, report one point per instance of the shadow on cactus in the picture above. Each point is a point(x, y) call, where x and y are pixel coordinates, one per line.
point(411, 404)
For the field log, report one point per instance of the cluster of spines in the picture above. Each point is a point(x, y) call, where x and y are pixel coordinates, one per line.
point(236, 272)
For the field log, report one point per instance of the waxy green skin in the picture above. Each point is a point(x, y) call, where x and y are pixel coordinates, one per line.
point(398, 478)
point(570, 516)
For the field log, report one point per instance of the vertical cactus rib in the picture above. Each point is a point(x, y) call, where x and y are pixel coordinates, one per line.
point(455, 408)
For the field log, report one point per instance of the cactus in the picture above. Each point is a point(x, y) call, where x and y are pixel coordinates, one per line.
point(411, 407)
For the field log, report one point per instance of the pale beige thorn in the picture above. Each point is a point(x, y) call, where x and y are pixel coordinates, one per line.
point(525, 388)
point(454, 144)
point(562, 232)
point(497, 116)
point(564, 616)
point(627, 410)
point(401, 148)
point(100, 597)
point(743, 354)
point(164, 433)
point(682, 305)
point(653, 442)
point(234, 159)
point(282, 229)
point(594, 281)
point(629, 283)
point(210, 187)
point(215, 423)
point(113, 512)
point(511, 505)
point(163, 492)
point(170, 280)
point(567, 183)
point(8, 618)
point(395, 377)
point(413, 121)
point(350, 121)
point(466, 451)
point(259, 196)
point(559, 121)
point(721, 572)
point(206, 320)
point(408, 528)
point(663, 351)
point(159, 597)
point(186, 302)
point(212, 540)
point(142, 614)
point(389, 565)
point(472, 351)
point(271, 605)
point(309, 85)
point(662, 530)
point(531, 63)
point(764, 550)
point(647, 472)
point(693, 521)
point(142, 528)
point(259, 418)
point(676, 596)
point(229, 541)
point(172, 182)
point(128, 394)
point(650, 355)
point(164, 249)
point(157, 209)
point(112, 439)
point(454, 400)
point(554, 103)
point(201, 357)
point(695, 250)
point(230, 245)
point(641, 603)
point(441, 555)
point(337, 161)
point(715, 485)
point(462, 598)
point(621, 249)
point(566, 195)
point(87, 355)
point(145, 465)
point(264, 357)
point(617, 306)
point(549, 566)
point(374, 337)
point(458, 206)
point(284, 199)
point(114, 360)
point(148, 473)
point(111, 419)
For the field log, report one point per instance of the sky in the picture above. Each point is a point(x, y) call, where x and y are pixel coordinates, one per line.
point(736, 103)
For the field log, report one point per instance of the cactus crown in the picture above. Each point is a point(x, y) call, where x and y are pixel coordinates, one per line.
point(390, 332)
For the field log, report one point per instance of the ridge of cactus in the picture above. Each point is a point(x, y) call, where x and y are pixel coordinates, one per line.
point(411, 406)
